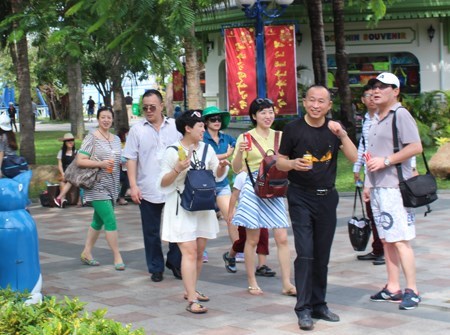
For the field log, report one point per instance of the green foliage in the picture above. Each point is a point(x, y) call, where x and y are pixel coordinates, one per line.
point(55, 317)
point(432, 113)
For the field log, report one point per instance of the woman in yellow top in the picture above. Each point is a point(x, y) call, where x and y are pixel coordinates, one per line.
point(254, 212)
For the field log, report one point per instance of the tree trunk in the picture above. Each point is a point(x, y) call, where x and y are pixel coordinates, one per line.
point(119, 107)
point(342, 81)
point(318, 42)
point(74, 84)
point(194, 91)
point(19, 55)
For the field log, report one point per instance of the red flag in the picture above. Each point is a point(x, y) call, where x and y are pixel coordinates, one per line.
point(281, 69)
point(241, 69)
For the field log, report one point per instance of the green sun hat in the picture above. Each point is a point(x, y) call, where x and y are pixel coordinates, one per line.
point(213, 110)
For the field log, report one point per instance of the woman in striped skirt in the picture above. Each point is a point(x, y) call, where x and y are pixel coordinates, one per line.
point(254, 212)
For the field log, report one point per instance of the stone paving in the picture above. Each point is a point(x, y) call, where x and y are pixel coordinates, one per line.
point(131, 297)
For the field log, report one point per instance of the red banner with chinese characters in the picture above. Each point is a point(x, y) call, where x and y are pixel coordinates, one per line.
point(178, 87)
point(281, 69)
point(241, 69)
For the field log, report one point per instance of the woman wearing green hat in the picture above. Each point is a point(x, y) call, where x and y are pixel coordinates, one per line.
point(223, 144)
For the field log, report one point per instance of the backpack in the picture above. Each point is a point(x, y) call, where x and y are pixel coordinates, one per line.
point(199, 192)
point(12, 165)
point(270, 182)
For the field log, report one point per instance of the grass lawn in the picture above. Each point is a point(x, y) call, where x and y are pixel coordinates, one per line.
point(47, 147)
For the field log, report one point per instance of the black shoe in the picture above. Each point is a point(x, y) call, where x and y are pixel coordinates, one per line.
point(379, 261)
point(265, 271)
point(176, 271)
point(325, 314)
point(157, 277)
point(305, 322)
point(368, 257)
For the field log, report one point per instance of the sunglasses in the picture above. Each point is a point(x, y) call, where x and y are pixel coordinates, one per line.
point(196, 114)
point(215, 119)
point(150, 108)
point(382, 86)
point(259, 101)
point(69, 141)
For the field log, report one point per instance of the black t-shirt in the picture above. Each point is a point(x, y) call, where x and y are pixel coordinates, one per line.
point(128, 100)
point(91, 103)
point(298, 139)
point(12, 113)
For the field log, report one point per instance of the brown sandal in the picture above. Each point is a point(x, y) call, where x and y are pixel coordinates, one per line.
point(195, 307)
point(200, 297)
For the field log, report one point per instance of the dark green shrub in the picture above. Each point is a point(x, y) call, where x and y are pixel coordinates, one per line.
point(53, 317)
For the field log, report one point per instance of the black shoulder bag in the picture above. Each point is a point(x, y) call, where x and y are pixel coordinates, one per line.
point(417, 191)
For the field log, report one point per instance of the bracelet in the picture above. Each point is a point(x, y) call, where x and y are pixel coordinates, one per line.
point(176, 171)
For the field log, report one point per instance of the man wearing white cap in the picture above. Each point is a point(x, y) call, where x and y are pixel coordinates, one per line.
point(395, 223)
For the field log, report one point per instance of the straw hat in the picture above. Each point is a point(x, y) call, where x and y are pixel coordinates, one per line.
point(67, 137)
point(5, 122)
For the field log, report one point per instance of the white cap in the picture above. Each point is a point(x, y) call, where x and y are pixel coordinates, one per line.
point(5, 122)
point(386, 78)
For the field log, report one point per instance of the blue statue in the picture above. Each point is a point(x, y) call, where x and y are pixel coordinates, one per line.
point(19, 245)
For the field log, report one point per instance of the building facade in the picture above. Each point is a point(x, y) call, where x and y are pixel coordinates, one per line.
point(412, 41)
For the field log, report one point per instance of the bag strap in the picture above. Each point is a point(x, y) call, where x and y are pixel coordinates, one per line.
point(399, 165)
point(358, 193)
point(275, 146)
point(397, 148)
point(203, 160)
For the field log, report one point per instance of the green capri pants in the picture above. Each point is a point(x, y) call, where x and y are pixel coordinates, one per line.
point(103, 215)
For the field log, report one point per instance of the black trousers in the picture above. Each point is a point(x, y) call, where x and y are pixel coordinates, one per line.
point(151, 226)
point(313, 220)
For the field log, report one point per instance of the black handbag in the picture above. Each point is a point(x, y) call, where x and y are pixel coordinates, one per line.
point(359, 228)
point(419, 190)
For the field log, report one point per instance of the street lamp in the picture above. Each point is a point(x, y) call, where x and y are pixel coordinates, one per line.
point(257, 10)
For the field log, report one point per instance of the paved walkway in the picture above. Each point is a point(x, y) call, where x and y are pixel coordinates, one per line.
point(131, 297)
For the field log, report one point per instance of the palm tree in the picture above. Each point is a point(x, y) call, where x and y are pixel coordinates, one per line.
point(18, 46)
point(342, 69)
point(318, 41)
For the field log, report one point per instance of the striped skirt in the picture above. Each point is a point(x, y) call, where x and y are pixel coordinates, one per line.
point(254, 212)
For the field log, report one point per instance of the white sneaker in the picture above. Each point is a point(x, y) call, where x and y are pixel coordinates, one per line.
point(240, 257)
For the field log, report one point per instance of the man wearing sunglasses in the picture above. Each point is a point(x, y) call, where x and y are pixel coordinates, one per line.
point(145, 144)
point(395, 223)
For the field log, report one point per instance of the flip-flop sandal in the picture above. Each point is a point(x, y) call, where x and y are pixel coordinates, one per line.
point(90, 262)
point(292, 292)
point(200, 297)
point(195, 307)
point(255, 290)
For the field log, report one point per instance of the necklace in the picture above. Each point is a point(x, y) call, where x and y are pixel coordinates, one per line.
point(106, 138)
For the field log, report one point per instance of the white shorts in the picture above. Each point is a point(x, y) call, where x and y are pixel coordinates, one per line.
point(394, 221)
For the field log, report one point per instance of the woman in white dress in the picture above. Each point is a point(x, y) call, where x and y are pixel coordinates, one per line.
point(189, 229)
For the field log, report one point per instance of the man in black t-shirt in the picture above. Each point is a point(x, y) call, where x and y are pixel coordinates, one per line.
point(90, 108)
point(313, 199)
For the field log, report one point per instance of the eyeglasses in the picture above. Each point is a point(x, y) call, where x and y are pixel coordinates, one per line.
point(196, 114)
point(215, 119)
point(381, 86)
point(150, 108)
point(259, 101)
point(367, 95)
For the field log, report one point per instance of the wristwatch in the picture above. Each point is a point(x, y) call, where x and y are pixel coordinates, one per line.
point(387, 162)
